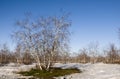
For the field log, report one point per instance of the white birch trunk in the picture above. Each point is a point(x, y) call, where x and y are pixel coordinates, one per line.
point(39, 64)
point(48, 66)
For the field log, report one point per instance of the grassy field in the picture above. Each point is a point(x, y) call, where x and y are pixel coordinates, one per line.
point(53, 72)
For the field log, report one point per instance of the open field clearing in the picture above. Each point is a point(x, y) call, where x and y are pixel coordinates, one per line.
point(89, 71)
point(95, 71)
point(9, 71)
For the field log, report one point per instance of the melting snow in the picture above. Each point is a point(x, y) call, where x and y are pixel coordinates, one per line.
point(94, 71)
point(89, 71)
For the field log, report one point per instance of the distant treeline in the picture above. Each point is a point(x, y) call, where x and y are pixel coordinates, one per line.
point(91, 55)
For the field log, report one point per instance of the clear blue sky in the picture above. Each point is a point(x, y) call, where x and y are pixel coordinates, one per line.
point(92, 20)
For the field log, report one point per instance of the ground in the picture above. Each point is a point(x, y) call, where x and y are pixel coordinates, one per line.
point(9, 71)
point(89, 71)
point(96, 71)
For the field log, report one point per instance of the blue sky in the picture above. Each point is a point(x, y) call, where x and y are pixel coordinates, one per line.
point(92, 20)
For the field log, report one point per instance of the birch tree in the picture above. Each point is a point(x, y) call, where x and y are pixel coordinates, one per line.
point(18, 54)
point(93, 51)
point(44, 38)
point(112, 54)
point(4, 54)
point(83, 55)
